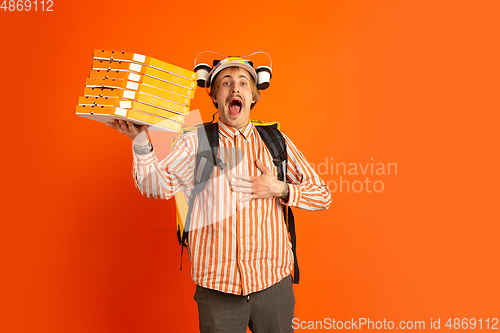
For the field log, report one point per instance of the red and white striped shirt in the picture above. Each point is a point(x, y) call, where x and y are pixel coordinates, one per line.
point(234, 247)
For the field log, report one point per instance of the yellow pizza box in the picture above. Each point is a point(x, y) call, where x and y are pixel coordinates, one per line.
point(144, 60)
point(128, 104)
point(146, 80)
point(106, 114)
point(145, 70)
point(149, 100)
point(146, 102)
point(96, 87)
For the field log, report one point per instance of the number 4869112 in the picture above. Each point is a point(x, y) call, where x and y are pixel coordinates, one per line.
point(27, 5)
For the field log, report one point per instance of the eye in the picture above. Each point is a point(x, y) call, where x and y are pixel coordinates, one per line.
point(226, 83)
point(243, 83)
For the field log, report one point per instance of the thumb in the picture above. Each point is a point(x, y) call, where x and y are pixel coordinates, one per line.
point(262, 167)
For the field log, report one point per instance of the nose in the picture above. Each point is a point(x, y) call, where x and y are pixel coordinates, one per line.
point(235, 89)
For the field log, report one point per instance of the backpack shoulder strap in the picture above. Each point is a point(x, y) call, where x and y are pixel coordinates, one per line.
point(206, 156)
point(208, 138)
point(206, 159)
point(275, 143)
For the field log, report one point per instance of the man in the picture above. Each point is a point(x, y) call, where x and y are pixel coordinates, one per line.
point(241, 256)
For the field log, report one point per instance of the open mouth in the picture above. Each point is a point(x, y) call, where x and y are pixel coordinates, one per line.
point(234, 106)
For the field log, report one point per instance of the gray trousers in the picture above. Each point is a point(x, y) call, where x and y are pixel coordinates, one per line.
point(266, 311)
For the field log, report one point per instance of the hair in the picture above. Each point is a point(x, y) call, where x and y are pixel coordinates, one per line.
point(214, 89)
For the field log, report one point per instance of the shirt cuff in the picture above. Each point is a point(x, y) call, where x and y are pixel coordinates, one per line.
point(142, 158)
point(294, 195)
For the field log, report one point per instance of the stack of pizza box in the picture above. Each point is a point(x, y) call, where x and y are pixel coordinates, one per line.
point(137, 88)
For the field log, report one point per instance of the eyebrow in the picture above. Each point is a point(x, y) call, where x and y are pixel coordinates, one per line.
point(230, 76)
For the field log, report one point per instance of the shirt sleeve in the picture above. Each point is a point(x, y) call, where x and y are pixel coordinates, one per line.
point(161, 180)
point(306, 189)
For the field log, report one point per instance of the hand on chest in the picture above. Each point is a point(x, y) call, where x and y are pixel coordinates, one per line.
point(241, 156)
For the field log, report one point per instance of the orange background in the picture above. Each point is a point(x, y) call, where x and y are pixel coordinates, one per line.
point(408, 82)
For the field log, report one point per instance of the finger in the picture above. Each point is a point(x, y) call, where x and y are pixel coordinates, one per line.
point(121, 125)
point(247, 198)
point(242, 189)
point(125, 127)
point(243, 184)
point(245, 177)
point(117, 126)
point(112, 125)
point(262, 167)
point(131, 127)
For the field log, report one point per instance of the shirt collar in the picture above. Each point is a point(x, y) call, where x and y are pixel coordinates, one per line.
point(231, 132)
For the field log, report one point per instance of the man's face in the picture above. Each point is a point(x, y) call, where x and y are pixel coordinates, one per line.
point(234, 97)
